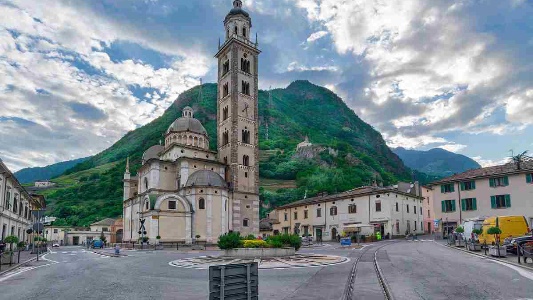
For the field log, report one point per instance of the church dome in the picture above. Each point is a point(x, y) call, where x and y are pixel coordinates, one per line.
point(187, 123)
point(152, 152)
point(237, 10)
point(205, 178)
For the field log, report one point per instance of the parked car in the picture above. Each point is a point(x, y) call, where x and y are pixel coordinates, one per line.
point(511, 226)
point(97, 244)
point(513, 244)
point(55, 245)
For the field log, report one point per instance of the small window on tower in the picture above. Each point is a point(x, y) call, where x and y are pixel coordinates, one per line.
point(244, 31)
point(245, 174)
point(201, 203)
point(245, 223)
point(225, 90)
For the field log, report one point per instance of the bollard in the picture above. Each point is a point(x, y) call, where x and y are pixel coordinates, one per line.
point(18, 260)
point(518, 252)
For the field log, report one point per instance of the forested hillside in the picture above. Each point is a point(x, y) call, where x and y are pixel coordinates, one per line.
point(28, 175)
point(359, 154)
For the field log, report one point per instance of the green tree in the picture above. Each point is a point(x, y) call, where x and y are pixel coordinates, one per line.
point(11, 239)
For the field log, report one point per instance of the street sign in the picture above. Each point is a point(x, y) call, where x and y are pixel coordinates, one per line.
point(236, 281)
point(38, 227)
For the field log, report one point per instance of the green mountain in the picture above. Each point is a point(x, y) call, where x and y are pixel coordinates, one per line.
point(28, 175)
point(355, 154)
point(436, 162)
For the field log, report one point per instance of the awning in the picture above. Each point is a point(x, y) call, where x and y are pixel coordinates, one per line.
point(355, 227)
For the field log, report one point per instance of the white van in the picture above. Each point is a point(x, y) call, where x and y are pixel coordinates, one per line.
point(471, 224)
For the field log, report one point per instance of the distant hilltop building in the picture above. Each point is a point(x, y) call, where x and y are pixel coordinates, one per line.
point(184, 191)
point(305, 143)
point(44, 183)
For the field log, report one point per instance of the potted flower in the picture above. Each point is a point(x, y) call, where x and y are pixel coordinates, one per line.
point(496, 250)
point(460, 241)
point(11, 240)
point(474, 244)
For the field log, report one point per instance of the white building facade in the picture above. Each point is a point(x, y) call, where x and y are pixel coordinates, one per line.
point(388, 210)
point(16, 205)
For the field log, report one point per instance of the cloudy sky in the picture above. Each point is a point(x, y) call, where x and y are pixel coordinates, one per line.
point(76, 75)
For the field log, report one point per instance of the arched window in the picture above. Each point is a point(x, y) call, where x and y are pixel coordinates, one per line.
point(246, 136)
point(196, 141)
point(236, 31)
point(245, 223)
point(145, 183)
point(244, 31)
point(246, 160)
point(201, 203)
point(225, 90)
point(225, 112)
point(147, 205)
point(225, 160)
point(225, 138)
point(333, 211)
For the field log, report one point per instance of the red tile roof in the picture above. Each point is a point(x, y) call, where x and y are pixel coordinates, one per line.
point(506, 169)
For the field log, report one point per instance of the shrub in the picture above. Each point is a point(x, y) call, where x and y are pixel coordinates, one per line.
point(11, 240)
point(459, 229)
point(249, 237)
point(230, 240)
point(285, 240)
point(494, 230)
point(477, 231)
point(21, 244)
point(158, 237)
point(255, 244)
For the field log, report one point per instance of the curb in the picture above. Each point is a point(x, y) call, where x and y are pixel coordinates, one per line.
point(18, 266)
point(108, 254)
point(489, 257)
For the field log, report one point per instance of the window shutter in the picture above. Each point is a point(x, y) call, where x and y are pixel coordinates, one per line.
point(474, 204)
point(463, 204)
point(474, 185)
point(443, 203)
point(507, 200)
point(493, 201)
point(529, 178)
point(491, 182)
point(453, 205)
point(452, 187)
point(442, 188)
point(506, 180)
point(462, 186)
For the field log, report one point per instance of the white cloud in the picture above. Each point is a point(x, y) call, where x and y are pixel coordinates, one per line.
point(55, 104)
point(400, 140)
point(296, 67)
point(456, 148)
point(316, 36)
point(489, 163)
point(520, 107)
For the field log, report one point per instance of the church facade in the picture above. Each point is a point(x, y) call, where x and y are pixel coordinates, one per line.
point(183, 190)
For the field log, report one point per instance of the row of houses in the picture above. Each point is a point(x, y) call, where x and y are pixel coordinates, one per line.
point(502, 190)
point(16, 206)
point(111, 229)
point(438, 207)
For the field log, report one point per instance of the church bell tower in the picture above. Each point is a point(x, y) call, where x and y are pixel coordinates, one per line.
point(237, 118)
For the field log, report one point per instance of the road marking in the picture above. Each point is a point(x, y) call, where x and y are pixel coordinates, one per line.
point(520, 271)
point(22, 270)
point(44, 258)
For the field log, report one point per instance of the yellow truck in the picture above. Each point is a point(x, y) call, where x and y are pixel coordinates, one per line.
point(511, 226)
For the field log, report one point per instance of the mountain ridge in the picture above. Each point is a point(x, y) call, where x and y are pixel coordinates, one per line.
point(436, 161)
point(32, 174)
point(302, 109)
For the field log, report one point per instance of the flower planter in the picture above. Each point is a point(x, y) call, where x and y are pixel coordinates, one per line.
point(259, 252)
point(493, 251)
point(459, 243)
point(474, 246)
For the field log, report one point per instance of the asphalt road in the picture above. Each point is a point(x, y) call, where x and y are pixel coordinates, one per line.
point(421, 270)
point(425, 270)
